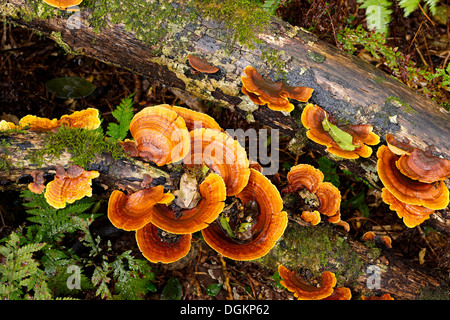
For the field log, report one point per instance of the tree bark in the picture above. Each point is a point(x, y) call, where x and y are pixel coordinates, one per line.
point(350, 89)
point(366, 269)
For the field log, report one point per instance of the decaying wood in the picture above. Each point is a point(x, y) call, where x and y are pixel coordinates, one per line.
point(350, 89)
point(364, 269)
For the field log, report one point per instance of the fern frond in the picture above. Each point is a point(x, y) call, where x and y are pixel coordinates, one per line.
point(378, 14)
point(123, 114)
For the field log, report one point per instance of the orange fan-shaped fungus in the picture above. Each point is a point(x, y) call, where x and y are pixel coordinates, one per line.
point(38, 124)
point(63, 4)
point(69, 186)
point(270, 224)
point(342, 293)
point(37, 186)
point(399, 147)
point(423, 166)
point(304, 291)
point(132, 212)
point(6, 125)
point(194, 119)
point(222, 154)
point(275, 94)
point(312, 217)
point(431, 195)
point(213, 193)
point(329, 197)
point(85, 119)
point(160, 134)
point(157, 245)
point(362, 135)
point(412, 215)
point(201, 65)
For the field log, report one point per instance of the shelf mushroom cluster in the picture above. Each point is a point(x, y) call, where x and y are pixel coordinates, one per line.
point(413, 180)
point(218, 168)
point(305, 291)
point(71, 184)
point(319, 197)
point(275, 94)
point(349, 142)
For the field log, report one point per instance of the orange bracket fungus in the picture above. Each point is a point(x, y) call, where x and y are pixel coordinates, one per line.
point(431, 195)
point(201, 65)
point(275, 94)
point(63, 4)
point(132, 212)
point(304, 291)
point(222, 154)
point(84, 119)
point(413, 215)
point(38, 124)
point(319, 196)
point(6, 125)
point(348, 142)
point(69, 186)
point(160, 134)
point(37, 186)
point(213, 193)
point(194, 119)
point(263, 200)
point(157, 245)
point(418, 164)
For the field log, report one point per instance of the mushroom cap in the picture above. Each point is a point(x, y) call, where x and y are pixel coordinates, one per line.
point(62, 4)
point(38, 124)
point(423, 166)
point(431, 195)
point(312, 217)
point(413, 215)
point(304, 175)
point(312, 118)
point(213, 193)
point(304, 291)
point(157, 248)
point(201, 65)
point(275, 94)
point(330, 199)
point(399, 147)
point(269, 227)
point(132, 212)
point(69, 186)
point(85, 119)
point(194, 119)
point(37, 186)
point(222, 154)
point(342, 293)
point(6, 125)
point(160, 134)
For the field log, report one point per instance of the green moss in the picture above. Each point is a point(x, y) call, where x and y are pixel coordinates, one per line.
point(316, 249)
point(5, 162)
point(83, 145)
point(400, 103)
point(315, 56)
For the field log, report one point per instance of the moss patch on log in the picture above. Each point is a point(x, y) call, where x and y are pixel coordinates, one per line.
point(317, 249)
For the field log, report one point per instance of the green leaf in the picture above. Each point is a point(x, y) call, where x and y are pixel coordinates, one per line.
point(70, 87)
point(172, 290)
point(224, 223)
point(213, 289)
point(378, 14)
point(342, 138)
point(123, 114)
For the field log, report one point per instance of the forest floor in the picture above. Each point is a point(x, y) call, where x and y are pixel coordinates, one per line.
point(28, 61)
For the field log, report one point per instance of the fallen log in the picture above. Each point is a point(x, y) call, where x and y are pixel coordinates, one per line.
point(350, 89)
point(363, 267)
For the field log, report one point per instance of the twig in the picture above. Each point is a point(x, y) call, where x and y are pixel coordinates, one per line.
point(227, 278)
